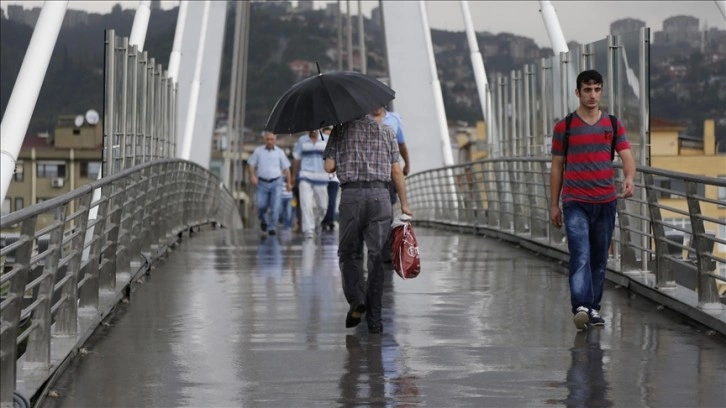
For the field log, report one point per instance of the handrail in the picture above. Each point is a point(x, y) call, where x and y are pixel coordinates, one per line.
point(53, 297)
point(508, 198)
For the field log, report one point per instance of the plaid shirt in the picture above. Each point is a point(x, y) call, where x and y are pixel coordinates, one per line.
point(364, 151)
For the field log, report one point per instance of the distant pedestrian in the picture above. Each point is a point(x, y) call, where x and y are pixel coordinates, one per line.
point(582, 169)
point(333, 186)
point(365, 209)
point(286, 208)
point(312, 180)
point(267, 165)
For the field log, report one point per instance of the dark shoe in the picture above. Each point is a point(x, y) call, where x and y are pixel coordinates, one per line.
point(595, 319)
point(352, 319)
point(375, 329)
point(263, 226)
point(271, 232)
point(581, 318)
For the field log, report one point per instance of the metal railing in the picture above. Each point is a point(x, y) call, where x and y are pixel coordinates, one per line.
point(140, 107)
point(527, 102)
point(509, 199)
point(57, 285)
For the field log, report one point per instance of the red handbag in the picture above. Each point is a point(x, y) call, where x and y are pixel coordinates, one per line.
point(406, 258)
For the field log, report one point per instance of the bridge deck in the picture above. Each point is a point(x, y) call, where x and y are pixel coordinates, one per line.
point(234, 320)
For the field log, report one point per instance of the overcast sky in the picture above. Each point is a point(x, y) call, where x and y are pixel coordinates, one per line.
point(581, 21)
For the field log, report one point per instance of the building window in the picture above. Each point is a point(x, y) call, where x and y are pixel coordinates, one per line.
point(721, 234)
point(19, 203)
point(19, 174)
point(41, 199)
point(682, 223)
point(676, 187)
point(90, 169)
point(6, 206)
point(722, 194)
point(51, 170)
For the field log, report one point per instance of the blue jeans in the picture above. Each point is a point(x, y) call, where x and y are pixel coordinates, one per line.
point(286, 212)
point(268, 198)
point(589, 229)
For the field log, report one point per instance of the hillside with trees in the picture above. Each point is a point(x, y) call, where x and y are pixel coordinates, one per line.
point(280, 35)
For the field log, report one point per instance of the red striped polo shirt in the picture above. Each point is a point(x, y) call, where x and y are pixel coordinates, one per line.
point(589, 174)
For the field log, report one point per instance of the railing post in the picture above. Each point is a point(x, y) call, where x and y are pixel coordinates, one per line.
point(67, 317)
point(124, 105)
point(10, 316)
point(37, 354)
point(143, 108)
point(109, 108)
point(663, 274)
point(135, 57)
point(612, 49)
point(628, 260)
point(89, 291)
point(564, 91)
point(706, 285)
point(545, 106)
point(150, 108)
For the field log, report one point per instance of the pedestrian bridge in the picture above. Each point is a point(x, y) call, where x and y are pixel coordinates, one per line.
point(232, 319)
point(169, 302)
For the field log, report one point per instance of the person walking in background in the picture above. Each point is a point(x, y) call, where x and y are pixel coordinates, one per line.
point(267, 165)
point(333, 187)
point(365, 209)
point(393, 120)
point(286, 208)
point(582, 171)
point(312, 180)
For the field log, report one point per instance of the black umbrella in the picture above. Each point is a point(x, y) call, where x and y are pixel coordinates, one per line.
point(327, 99)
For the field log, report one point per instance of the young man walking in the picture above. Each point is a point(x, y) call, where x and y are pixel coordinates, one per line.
point(365, 155)
point(582, 171)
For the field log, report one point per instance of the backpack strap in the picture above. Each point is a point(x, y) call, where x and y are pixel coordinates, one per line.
point(614, 122)
point(566, 138)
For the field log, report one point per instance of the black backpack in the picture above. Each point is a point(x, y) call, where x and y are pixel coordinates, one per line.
point(566, 138)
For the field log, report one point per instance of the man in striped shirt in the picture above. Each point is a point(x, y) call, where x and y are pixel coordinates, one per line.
point(312, 180)
point(589, 195)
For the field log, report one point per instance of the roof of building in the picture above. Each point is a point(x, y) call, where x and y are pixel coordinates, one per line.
point(658, 123)
point(36, 142)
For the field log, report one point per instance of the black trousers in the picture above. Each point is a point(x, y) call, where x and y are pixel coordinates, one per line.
point(365, 216)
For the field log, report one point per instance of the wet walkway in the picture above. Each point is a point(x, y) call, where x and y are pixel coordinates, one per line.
point(232, 320)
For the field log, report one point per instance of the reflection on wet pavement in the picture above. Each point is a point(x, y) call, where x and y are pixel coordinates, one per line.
point(232, 319)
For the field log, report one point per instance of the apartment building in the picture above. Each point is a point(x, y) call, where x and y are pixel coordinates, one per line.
point(50, 166)
point(671, 150)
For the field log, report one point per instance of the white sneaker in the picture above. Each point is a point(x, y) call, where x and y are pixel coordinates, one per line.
point(581, 318)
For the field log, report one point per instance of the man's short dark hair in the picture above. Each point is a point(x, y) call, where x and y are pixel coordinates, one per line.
point(587, 77)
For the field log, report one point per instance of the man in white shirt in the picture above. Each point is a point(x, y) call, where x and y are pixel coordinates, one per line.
point(267, 165)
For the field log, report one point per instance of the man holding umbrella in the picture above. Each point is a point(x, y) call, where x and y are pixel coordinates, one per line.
point(365, 156)
point(365, 208)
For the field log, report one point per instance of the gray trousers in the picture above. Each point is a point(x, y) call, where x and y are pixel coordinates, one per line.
point(365, 216)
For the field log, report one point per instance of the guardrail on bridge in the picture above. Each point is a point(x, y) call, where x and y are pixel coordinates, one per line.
point(57, 285)
point(673, 254)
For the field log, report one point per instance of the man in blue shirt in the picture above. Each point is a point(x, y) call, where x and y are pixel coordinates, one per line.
point(312, 180)
point(267, 165)
point(393, 121)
